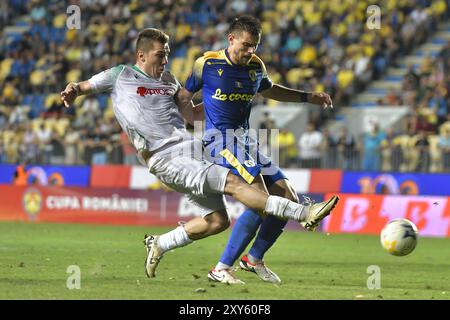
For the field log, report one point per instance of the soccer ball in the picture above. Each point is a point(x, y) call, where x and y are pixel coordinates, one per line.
point(399, 237)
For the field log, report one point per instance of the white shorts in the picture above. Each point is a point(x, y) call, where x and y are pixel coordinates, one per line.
point(182, 169)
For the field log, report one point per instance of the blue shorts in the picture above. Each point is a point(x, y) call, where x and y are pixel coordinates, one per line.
point(244, 160)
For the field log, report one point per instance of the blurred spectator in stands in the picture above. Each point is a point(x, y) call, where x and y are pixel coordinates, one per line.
point(411, 79)
point(266, 122)
point(423, 148)
point(19, 114)
point(347, 150)
point(71, 140)
point(3, 117)
point(90, 107)
point(3, 158)
point(310, 147)
point(265, 139)
point(38, 10)
point(371, 147)
point(98, 146)
point(29, 149)
point(391, 152)
point(392, 98)
point(330, 153)
point(128, 150)
point(57, 149)
point(345, 78)
point(20, 175)
point(444, 146)
point(116, 155)
point(287, 148)
point(44, 135)
point(10, 94)
point(56, 109)
point(439, 104)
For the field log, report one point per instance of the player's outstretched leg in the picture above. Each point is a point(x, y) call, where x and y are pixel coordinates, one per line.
point(195, 229)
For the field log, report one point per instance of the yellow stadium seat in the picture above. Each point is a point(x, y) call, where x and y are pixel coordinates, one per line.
point(61, 125)
point(139, 20)
point(270, 15)
point(5, 68)
point(177, 67)
point(193, 53)
point(73, 75)
point(50, 99)
point(36, 123)
point(59, 21)
point(50, 123)
point(37, 77)
point(293, 76)
point(282, 6)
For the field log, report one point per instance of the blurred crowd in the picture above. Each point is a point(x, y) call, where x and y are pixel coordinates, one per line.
point(420, 143)
point(310, 45)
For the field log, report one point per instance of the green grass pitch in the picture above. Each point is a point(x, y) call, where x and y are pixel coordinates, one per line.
point(34, 259)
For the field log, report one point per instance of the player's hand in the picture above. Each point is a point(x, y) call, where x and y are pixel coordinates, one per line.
point(69, 94)
point(320, 98)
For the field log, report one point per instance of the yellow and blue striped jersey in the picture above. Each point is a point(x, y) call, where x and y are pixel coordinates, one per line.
point(228, 89)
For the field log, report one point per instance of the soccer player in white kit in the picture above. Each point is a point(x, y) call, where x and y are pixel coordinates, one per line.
point(145, 102)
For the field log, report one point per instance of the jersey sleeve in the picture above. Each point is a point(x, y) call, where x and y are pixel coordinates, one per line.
point(105, 80)
point(195, 81)
point(265, 83)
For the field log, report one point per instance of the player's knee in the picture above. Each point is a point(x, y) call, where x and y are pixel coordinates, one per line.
point(218, 223)
point(219, 226)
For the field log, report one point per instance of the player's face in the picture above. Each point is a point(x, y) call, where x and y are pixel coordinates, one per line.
point(156, 59)
point(241, 46)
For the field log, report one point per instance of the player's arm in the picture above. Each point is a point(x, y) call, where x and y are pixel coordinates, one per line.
point(187, 108)
point(73, 90)
point(284, 94)
point(101, 82)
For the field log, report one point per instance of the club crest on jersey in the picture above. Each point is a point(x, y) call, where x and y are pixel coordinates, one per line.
point(220, 71)
point(252, 75)
point(249, 163)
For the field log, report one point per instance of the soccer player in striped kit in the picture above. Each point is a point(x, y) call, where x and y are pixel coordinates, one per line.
point(229, 79)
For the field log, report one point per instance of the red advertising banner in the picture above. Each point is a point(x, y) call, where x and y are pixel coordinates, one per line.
point(324, 181)
point(369, 213)
point(114, 176)
point(89, 205)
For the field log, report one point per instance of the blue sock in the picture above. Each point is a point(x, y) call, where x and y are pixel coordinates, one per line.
point(271, 229)
point(243, 232)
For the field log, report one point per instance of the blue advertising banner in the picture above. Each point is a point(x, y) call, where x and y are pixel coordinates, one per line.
point(46, 175)
point(396, 183)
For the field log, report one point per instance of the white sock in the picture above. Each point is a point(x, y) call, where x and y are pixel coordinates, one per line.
point(222, 266)
point(284, 208)
point(174, 239)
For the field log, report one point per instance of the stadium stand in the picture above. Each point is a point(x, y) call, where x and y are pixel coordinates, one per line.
point(310, 45)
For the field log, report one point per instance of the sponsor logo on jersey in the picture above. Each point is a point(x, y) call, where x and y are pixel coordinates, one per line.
point(143, 91)
point(218, 95)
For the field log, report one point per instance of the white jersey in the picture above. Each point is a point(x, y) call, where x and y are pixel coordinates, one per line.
point(145, 107)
